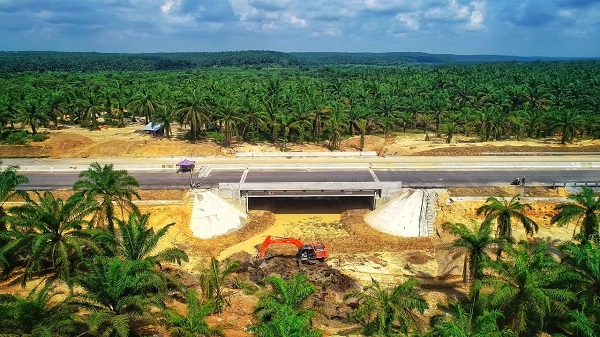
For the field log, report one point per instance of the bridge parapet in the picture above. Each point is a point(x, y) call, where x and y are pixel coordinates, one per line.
point(344, 154)
point(382, 189)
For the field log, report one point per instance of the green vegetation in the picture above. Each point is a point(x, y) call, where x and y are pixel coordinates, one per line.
point(111, 187)
point(118, 287)
point(194, 322)
point(281, 313)
point(304, 101)
point(476, 243)
point(212, 282)
point(587, 209)
point(503, 211)
point(51, 234)
point(75, 62)
point(388, 312)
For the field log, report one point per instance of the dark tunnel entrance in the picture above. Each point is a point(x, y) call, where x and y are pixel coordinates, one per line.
point(310, 205)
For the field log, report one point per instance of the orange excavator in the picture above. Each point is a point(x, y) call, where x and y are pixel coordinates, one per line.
point(306, 252)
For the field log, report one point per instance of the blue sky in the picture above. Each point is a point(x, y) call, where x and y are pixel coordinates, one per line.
point(504, 27)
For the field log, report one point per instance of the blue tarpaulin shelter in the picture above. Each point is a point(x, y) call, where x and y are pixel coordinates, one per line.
point(154, 129)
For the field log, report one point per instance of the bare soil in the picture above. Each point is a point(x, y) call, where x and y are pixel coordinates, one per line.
point(131, 141)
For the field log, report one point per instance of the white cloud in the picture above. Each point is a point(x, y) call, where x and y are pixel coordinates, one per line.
point(166, 7)
point(477, 16)
point(295, 21)
point(409, 20)
point(301, 24)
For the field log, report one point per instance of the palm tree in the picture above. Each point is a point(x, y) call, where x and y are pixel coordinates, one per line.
point(56, 107)
point(280, 311)
point(212, 281)
point(115, 292)
point(50, 232)
point(386, 110)
point(165, 117)
point(318, 117)
point(406, 118)
point(39, 314)
point(32, 114)
point(388, 312)
point(289, 293)
point(227, 116)
point(253, 118)
point(303, 111)
point(438, 106)
point(364, 125)
point(533, 122)
point(426, 119)
point(451, 125)
point(536, 96)
point(458, 321)
point(287, 322)
point(193, 112)
point(8, 111)
point(476, 242)
point(138, 242)
point(193, 323)
point(530, 288)
point(145, 101)
point(10, 179)
point(92, 108)
point(334, 126)
point(567, 121)
point(121, 96)
point(585, 211)
point(287, 121)
point(582, 324)
point(110, 186)
point(503, 211)
point(585, 259)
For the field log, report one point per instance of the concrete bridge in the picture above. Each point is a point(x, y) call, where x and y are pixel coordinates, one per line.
point(314, 184)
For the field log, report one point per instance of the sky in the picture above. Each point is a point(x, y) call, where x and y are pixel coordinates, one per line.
point(555, 28)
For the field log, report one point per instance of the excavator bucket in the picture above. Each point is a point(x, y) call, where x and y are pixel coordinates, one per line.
point(259, 263)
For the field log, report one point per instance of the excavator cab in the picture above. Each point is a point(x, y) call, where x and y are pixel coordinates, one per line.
point(306, 253)
point(312, 251)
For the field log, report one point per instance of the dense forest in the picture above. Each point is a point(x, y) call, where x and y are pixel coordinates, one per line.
point(322, 104)
point(82, 61)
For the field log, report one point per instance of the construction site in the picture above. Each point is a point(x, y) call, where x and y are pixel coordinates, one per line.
point(400, 239)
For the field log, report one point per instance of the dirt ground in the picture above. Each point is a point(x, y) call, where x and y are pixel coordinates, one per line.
point(357, 251)
point(131, 141)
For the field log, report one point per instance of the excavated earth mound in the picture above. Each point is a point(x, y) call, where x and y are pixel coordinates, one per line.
point(320, 274)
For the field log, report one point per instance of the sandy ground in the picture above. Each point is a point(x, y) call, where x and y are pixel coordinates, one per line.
point(356, 249)
point(130, 141)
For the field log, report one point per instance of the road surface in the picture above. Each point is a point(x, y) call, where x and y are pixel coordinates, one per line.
point(409, 178)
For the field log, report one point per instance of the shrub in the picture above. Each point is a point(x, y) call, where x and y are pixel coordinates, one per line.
point(18, 138)
point(39, 137)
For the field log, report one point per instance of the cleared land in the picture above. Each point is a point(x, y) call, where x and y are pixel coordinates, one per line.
point(131, 141)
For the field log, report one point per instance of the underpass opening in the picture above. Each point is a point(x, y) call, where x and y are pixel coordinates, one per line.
point(330, 205)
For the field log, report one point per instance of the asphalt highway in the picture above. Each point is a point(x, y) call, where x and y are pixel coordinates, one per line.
point(409, 178)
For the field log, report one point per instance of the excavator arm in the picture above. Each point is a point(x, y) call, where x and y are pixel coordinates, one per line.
point(274, 239)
